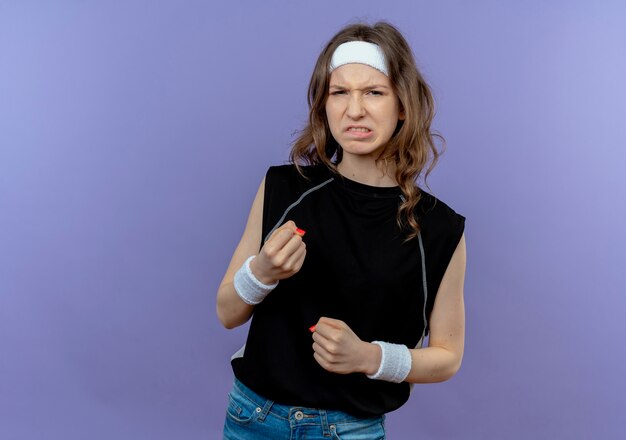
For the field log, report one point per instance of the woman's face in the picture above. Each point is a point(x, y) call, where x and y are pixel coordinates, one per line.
point(362, 109)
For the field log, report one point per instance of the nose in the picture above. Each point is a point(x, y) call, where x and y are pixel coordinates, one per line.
point(355, 108)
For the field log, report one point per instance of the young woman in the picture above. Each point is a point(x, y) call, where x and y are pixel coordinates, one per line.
point(345, 264)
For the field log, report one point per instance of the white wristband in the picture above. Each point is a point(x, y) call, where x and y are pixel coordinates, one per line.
point(248, 287)
point(395, 363)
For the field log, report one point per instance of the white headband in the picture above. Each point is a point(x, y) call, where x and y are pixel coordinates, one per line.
point(361, 52)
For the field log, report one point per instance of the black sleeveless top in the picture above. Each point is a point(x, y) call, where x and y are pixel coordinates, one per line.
point(357, 269)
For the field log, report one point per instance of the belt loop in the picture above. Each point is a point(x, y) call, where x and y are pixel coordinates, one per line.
point(265, 410)
point(324, 419)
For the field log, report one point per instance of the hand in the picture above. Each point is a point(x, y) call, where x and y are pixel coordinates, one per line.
point(339, 350)
point(281, 256)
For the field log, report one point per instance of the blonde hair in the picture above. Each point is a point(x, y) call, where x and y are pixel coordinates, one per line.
point(411, 147)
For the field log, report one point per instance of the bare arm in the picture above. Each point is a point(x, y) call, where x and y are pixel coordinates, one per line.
point(231, 310)
point(442, 358)
point(281, 257)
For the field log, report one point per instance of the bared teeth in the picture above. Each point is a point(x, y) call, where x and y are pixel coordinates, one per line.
point(362, 129)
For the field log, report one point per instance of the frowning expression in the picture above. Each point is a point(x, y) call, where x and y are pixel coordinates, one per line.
point(362, 109)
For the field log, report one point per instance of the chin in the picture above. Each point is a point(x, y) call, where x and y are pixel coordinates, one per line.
point(361, 151)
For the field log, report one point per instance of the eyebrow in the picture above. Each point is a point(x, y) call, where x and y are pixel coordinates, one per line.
point(373, 86)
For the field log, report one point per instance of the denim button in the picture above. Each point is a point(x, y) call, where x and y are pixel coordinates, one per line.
point(299, 415)
point(258, 409)
point(332, 427)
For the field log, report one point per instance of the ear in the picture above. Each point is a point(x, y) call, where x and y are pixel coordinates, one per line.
point(401, 115)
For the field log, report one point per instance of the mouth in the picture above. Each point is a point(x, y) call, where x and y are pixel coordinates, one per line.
point(363, 133)
point(358, 129)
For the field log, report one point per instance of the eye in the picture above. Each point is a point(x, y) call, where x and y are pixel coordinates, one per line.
point(337, 92)
point(376, 93)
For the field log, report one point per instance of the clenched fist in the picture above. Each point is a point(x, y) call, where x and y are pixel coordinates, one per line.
point(281, 256)
point(339, 350)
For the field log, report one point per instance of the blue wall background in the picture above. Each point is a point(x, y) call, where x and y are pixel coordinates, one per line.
point(133, 136)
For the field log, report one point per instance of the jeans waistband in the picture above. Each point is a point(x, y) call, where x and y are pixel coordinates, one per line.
point(286, 411)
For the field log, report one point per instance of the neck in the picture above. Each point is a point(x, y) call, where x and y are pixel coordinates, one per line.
point(368, 171)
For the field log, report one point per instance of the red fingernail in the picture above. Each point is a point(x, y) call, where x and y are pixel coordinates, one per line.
point(300, 232)
point(312, 328)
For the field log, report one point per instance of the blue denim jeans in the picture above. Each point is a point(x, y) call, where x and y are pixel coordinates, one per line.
point(251, 417)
